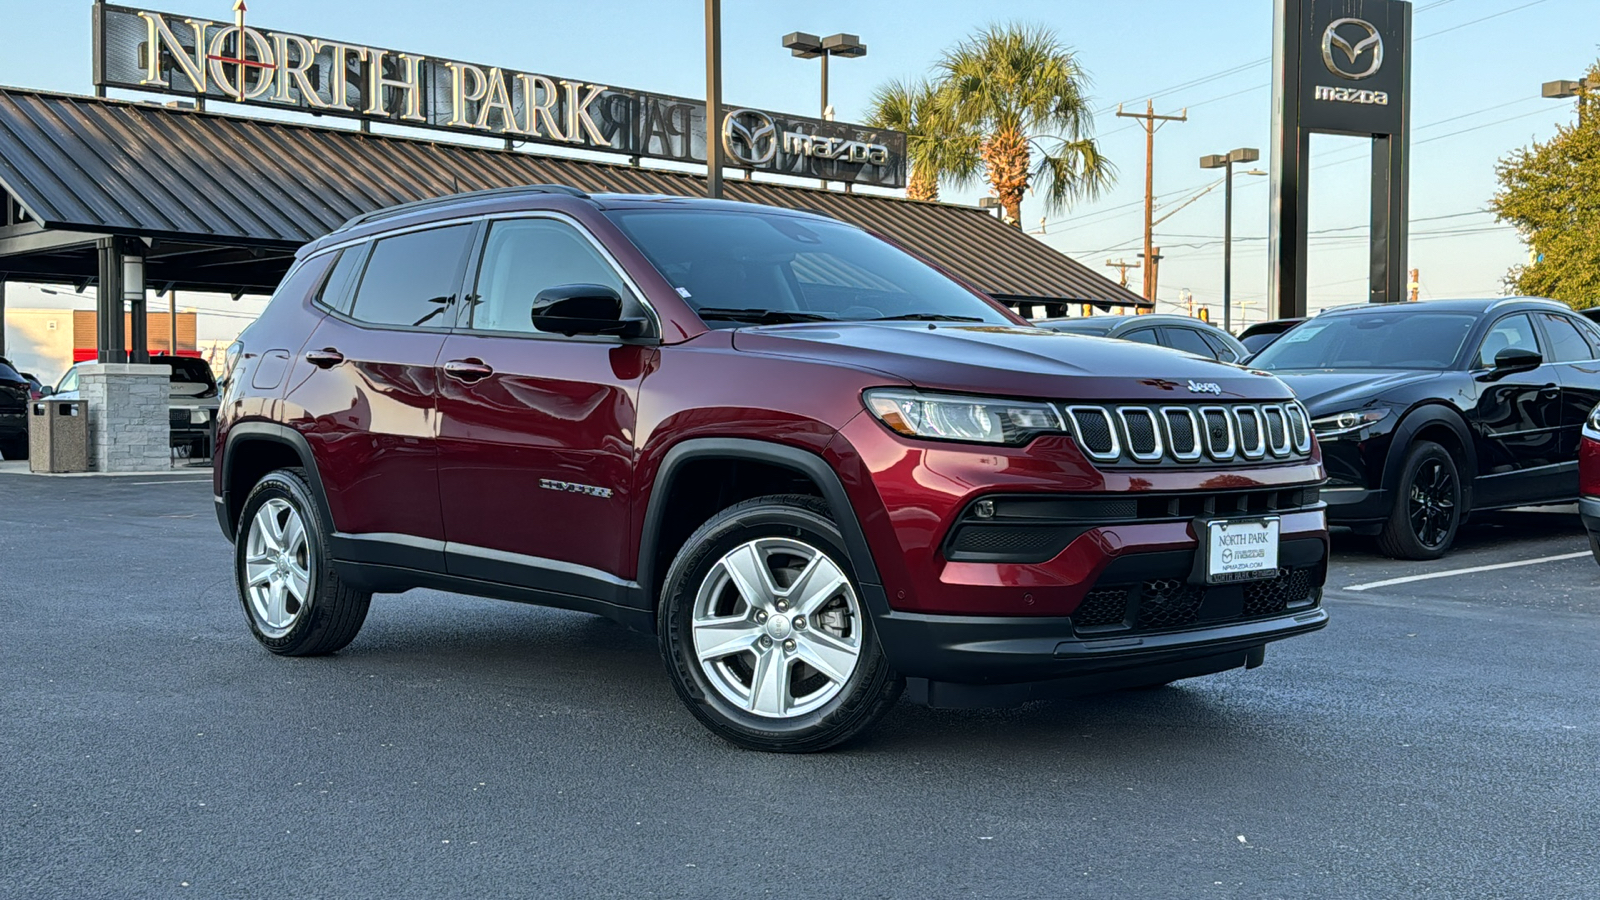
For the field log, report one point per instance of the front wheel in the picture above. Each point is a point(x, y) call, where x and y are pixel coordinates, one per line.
point(765, 634)
point(1427, 512)
point(295, 602)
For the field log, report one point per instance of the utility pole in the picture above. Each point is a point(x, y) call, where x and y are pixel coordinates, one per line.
point(714, 99)
point(1122, 266)
point(1151, 122)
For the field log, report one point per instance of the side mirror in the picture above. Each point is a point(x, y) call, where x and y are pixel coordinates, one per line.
point(1512, 360)
point(46, 391)
point(571, 309)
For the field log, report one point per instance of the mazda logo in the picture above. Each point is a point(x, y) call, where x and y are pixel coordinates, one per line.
point(1344, 63)
point(750, 137)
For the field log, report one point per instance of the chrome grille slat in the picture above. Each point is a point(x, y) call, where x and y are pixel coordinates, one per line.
point(1140, 434)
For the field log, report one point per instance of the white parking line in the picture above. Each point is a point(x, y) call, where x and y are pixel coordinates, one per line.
point(1468, 571)
point(171, 481)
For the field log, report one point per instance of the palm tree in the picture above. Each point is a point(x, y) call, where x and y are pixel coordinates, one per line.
point(938, 148)
point(1022, 89)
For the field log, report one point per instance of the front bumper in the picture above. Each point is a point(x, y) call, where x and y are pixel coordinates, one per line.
point(959, 661)
point(1354, 505)
point(1589, 512)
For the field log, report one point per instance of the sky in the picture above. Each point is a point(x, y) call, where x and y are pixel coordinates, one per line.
point(1476, 70)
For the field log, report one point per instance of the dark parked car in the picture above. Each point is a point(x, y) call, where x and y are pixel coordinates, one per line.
point(1260, 336)
point(1177, 332)
point(1427, 411)
point(14, 397)
point(192, 406)
point(816, 467)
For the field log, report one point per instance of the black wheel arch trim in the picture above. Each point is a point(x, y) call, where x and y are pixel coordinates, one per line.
point(794, 458)
point(273, 433)
point(1405, 435)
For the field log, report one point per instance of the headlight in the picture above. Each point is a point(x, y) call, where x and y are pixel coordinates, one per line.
point(955, 418)
point(1346, 422)
point(1593, 424)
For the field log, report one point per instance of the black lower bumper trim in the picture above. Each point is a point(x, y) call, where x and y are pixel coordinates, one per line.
point(1012, 654)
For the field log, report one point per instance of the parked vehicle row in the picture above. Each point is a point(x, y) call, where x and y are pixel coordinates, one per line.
point(819, 470)
point(15, 392)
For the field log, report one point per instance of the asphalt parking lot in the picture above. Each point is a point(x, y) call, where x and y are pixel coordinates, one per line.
point(1439, 739)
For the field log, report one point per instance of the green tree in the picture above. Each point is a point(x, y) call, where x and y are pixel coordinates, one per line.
point(938, 147)
point(1022, 91)
point(1551, 193)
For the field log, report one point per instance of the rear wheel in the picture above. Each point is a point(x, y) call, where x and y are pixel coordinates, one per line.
point(295, 602)
point(1427, 512)
point(765, 634)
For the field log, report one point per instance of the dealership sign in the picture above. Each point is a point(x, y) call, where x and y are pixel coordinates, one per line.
point(143, 50)
point(1352, 66)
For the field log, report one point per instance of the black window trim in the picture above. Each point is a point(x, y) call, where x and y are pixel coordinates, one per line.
point(371, 241)
point(473, 270)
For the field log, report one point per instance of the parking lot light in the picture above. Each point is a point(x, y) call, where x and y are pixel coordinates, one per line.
point(1226, 161)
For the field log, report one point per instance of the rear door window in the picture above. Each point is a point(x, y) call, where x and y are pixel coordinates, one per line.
point(1141, 335)
point(411, 279)
point(1566, 342)
point(1189, 341)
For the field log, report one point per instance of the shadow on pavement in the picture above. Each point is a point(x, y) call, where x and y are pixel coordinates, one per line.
point(1501, 529)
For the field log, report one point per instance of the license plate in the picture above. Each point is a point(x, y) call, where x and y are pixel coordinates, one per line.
point(1241, 549)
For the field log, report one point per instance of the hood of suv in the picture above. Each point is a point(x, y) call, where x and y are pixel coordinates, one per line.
point(1015, 361)
point(1327, 391)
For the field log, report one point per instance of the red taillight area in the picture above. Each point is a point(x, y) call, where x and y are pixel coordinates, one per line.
point(1589, 467)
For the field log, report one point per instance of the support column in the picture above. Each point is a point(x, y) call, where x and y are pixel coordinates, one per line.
point(2, 314)
point(139, 315)
point(108, 304)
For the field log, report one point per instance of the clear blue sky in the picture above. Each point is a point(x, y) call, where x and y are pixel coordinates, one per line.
point(1475, 97)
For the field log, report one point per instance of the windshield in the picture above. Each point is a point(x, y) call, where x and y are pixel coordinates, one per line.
point(1403, 339)
point(739, 267)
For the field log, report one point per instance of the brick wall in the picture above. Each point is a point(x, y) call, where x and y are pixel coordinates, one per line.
point(128, 425)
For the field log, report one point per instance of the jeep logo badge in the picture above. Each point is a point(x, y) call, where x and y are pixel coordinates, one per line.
point(1205, 387)
point(1346, 67)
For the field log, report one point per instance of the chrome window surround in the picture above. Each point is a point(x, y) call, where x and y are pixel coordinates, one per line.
point(1155, 431)
point(1115, 452)
point(1291, 417)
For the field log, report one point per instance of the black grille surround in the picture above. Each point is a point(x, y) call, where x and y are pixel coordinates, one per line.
point(1033, 528)
point(1134, 434)
point(1172, 603)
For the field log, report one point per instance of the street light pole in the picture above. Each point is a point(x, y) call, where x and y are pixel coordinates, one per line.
point(714, 99)
point(1563, 90)
point(1225, 161)
point(809, 46)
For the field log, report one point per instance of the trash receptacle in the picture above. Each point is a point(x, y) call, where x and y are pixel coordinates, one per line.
point(58, 436)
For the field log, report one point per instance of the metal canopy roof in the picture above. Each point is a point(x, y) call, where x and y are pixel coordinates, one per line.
point(226, 199)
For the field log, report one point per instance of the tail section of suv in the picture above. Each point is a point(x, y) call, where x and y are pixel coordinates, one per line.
point(819, 469)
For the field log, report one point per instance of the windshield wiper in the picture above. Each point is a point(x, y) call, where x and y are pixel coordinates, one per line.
point(759, 316)
point(925, 317)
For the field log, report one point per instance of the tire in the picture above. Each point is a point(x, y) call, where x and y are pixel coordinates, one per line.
point(299, 607)
point(1427, 511)
point(763, 693)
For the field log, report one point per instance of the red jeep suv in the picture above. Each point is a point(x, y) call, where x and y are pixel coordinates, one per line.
point(819, 468)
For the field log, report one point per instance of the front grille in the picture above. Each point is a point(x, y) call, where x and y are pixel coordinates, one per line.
point(1035, 528)
point(1167, 603)
point(1102, 608)
point(1134, 434)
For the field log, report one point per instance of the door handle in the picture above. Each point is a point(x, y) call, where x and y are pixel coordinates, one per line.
point(326, 358)
point(467, 370)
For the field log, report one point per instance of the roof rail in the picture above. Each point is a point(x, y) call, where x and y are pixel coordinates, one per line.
point(417, 205)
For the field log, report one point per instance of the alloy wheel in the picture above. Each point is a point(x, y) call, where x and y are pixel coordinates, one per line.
point(277, 567)
point(777, 628)
point(1432, 504)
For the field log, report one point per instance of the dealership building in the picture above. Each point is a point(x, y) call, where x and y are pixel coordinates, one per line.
point(139, 197)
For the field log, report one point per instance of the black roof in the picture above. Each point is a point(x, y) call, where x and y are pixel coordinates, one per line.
point(236, 196)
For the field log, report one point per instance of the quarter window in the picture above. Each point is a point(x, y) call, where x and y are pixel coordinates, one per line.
point(1566, 342)
point(411, 279)
point(1143, 336)
point(526, 256)
point(335, 291)
point(1189, 341)
point(1512, 331)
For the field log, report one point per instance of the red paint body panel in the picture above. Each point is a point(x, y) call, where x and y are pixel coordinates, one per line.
point(1589, 467)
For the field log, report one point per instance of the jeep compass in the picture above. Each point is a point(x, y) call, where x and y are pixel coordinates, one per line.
point(819, 469)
